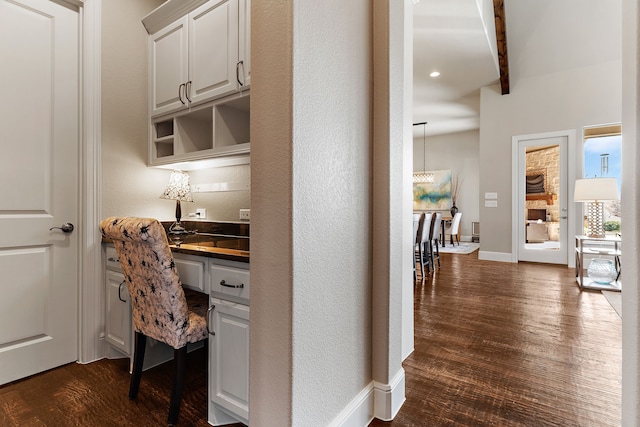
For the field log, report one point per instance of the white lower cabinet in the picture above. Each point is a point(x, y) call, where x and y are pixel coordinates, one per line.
point(228, 362)
point(228, 318)
point(118, 316)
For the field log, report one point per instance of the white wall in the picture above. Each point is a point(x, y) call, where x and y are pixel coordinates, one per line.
point(630, 215)
point(458, 152)
point(129, 187)
point(311, 292)
point(552, 102)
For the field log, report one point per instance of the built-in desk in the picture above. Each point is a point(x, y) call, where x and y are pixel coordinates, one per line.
point(214, 259)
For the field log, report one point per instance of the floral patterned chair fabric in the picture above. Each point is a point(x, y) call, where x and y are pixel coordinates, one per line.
point(160, 308)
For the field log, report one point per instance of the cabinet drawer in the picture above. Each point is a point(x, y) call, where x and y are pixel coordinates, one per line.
point(112, 261)
point(191, 271)
point(230, 283)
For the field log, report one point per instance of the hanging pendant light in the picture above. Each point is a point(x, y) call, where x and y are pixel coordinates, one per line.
point(424, 176)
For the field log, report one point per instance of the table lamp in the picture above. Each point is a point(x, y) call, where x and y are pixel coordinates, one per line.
point(595, 191)
point(179, 190)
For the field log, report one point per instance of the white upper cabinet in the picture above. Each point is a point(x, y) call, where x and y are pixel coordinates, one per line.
point(244, 44)
point(213, 50)
point(194, 59)
point(169, 67)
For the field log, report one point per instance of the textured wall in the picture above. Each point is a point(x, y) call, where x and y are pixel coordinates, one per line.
point(311, 131)
point(630, 214)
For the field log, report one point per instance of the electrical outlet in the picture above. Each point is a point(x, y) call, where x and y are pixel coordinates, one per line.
point(245, 214)
point(201, 213)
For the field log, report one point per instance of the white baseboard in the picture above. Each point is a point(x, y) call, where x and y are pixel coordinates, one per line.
point(376, 400)
point(359, 412)
point(388, 398)
point(495, 256)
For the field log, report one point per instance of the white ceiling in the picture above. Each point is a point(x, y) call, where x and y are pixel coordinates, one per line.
point(457, 38)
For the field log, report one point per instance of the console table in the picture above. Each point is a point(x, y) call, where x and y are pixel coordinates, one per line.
point(608, 246)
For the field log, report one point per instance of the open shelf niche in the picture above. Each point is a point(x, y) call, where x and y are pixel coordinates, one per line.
point(207, 131)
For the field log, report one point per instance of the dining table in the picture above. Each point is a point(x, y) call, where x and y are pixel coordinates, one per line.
point(443, 223)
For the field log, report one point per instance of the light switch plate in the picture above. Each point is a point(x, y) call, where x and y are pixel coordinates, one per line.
point(491, 196)
point(490, 203)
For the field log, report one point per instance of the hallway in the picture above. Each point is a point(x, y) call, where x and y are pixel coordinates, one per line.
point(511, 344)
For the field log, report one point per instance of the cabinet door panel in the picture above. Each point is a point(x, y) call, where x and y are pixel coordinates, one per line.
point(118, 317)
point(244, 42)
point(168, 69)
point(229, 358)
point(213, 50)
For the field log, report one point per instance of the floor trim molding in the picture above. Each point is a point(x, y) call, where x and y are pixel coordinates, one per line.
point(388, 398)
point(495, 256)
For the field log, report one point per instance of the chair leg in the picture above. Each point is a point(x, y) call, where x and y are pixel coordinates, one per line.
point(436, 252)
point(424, 258)
point(138, 360)
point(180, 367)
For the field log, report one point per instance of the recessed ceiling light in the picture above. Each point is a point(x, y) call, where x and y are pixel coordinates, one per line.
point(435, 74)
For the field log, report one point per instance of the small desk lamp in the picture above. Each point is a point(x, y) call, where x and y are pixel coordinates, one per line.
point(595, 191)
point(178, 190)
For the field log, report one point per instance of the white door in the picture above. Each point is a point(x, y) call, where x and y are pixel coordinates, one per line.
point(540, 222)
point(38, 185)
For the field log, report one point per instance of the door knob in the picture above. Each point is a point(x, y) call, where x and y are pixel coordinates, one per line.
point(67, 227)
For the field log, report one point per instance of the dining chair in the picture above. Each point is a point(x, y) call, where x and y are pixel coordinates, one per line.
point(416, 228)
point(434, 236)
point(161, 308)
point(422, 241)
point(454, 230)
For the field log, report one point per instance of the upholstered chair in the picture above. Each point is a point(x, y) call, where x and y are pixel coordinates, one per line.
point(422, 242)
point(161, 308)
point(434, 236)
point(454, 230)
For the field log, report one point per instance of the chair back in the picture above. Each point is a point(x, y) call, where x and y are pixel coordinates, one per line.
point(425, 228)
point(455, 223)
point(159, 306)
point(416, 226)
point(435, 229)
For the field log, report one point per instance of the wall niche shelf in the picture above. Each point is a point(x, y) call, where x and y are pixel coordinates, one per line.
point(549, 198)
point(212, 130)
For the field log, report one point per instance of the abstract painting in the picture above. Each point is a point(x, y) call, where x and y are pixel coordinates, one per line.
point(434, 195)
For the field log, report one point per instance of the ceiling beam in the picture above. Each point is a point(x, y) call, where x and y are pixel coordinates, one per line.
point(501, 38)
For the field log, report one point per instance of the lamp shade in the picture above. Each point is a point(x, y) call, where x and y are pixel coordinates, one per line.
point(178, 187)
point(596, 189)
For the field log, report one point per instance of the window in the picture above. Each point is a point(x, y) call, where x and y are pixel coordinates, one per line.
point(602, 158)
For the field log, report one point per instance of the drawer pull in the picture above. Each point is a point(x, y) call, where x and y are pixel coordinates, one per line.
point(226, 285)
point(112, 259)
point(209, 310)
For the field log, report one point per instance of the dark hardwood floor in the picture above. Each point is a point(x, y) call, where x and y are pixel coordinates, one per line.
point(496, 344)
point(499, 344)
